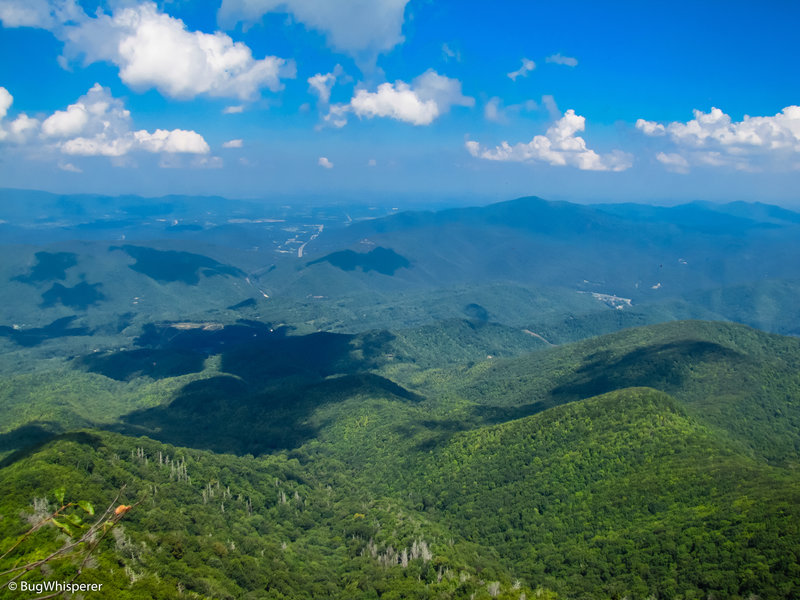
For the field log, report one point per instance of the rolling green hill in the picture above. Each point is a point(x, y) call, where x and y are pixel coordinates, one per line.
point(658, 460)
point(622, 495)
point(737, 379)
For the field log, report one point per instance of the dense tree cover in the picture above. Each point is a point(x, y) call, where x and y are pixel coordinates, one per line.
point(459, 341)
point(510, 475)
point(623, 495)
point(742, 381)
point(218, 526)
point(36, 405)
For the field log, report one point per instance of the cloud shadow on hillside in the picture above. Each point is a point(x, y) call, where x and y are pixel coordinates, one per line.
point(267, 391)
point(664, 367)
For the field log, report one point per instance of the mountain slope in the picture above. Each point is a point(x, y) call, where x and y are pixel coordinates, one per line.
point(742, 381)
point(623, 494)
point(216, 526)
point(509, 469)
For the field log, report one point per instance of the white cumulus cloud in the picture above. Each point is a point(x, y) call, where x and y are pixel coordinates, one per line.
point(527, 66)
point(361, 28)
point(18, 130)
point(154, 50)
point(650, 127)
point(715, 139)
point(560, 146)
point(97, 124)
point(420, 103)
point(6, 100)
point(67, 123)
point(233, 110)
point(325, 163)
point(233, 144)
point(22, 128)
point(396, 101)
point(177, 141)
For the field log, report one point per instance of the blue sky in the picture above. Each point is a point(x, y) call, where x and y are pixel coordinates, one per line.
point(391, 100)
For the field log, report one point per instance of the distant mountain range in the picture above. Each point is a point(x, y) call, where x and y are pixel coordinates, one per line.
point(628, 250)
point(562, 271)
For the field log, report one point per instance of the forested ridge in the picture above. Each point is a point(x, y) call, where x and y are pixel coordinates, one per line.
point(653, 462)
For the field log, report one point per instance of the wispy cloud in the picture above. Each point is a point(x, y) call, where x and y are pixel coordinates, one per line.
point(496, 112)
point(673, 162)
point(324, 162)
point(42, 14)
point(449, 53)
point(360, 29)
point(552, 108)
point(558, 59)
point(69, 167)
point(527, 67)
point(322, 83)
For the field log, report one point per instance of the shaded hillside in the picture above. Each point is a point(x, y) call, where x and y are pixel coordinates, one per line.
point(470, 403)
point(382, 260)
point(105, 290)
point(49, 266)
point(169, 265)
point(738, 379)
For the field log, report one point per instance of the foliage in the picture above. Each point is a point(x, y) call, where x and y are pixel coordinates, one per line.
point(30, 554)
point(623, 495)
point(741, 381)
point(227, 527)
